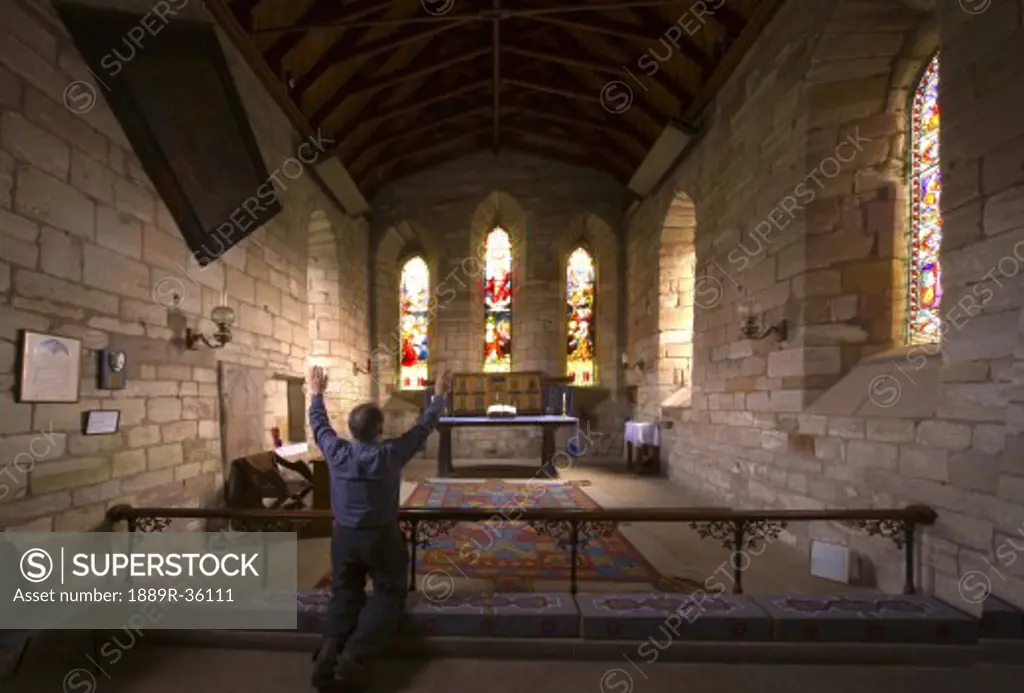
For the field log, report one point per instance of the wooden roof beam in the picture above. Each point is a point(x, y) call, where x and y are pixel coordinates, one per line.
point(622, 127)
point(620, 163)
point(343, 51)
point(565, 91)
point(432, 146)
point(429, 125)
point(684, 42)
point(373, 83)
point(320, 11)
point(519, 142)
point(580, 135)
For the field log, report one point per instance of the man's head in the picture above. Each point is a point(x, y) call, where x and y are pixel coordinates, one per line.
point(366, 422)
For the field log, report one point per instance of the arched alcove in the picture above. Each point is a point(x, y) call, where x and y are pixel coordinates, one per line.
point(399, 243)
point(676, 267)
point(497, 210)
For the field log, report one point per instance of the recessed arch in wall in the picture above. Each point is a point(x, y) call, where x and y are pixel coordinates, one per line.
point(589, 238)
point(673, 371)
point(498, 244)
point(395, 331)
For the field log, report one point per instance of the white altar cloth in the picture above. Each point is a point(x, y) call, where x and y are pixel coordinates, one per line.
point(643, 433)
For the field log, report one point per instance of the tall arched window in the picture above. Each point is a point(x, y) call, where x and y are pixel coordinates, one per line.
point(414, 319)
point(580, 286)
point(498, 302)
point(925, 275)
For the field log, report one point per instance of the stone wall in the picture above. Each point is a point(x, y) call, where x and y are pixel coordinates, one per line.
point(801, 205)
point(88, 250)
point(548, 208)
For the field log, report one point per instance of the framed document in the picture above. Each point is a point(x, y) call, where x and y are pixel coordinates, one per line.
point(50, 368)
point(100, 422)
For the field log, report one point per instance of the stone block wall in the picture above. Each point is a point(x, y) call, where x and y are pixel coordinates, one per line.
point(802, 205)
point(88, 250)
point(548, 208)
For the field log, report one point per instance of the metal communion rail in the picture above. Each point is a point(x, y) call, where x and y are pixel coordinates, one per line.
point(737, 530)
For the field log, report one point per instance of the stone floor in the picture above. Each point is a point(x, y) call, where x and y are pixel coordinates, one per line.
point(174, 670)
point(673, 548)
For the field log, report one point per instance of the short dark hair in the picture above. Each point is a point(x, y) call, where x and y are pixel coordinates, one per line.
point(366, 422)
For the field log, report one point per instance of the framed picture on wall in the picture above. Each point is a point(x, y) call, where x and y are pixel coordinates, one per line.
point(49, 368)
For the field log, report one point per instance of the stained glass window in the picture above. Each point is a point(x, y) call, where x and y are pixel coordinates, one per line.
point(414, 318)
point(498, 302)
point(580, 284)
point(925, 277)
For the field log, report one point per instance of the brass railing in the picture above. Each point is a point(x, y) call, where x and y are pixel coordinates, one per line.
point(738, 531)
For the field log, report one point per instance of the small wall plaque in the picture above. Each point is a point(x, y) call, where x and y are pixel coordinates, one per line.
point(112, 370)
point(99, 422)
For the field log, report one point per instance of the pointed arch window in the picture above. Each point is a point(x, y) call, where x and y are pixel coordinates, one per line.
point(414, 320)
point(580, 295)
point(498, 302)
point(924, 281)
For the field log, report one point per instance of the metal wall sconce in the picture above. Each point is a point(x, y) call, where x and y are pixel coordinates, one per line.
point(752, 330)
point(223, 317)
point(361, 370)
point(626, 365)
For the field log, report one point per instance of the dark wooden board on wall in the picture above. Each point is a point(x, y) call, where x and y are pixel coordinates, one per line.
point(176, 101)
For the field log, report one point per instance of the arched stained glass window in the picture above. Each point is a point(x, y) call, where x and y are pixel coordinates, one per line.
point(414, 319)
point(925, 275)
point(498, 302)
point(580, 286)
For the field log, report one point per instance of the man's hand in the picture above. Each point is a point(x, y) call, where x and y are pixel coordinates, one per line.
point(317, 380)
point(443, 383)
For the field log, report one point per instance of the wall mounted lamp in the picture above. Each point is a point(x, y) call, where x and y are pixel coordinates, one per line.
point(751, 329)
point(223, 317)
point(361, 370)
point(626, 365)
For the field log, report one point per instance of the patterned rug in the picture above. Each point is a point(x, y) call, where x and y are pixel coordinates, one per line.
point(501, 555)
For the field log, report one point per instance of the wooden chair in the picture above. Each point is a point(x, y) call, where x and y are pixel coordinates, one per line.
point(255, 479)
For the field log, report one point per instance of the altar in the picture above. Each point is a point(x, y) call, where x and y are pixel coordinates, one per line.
point(537, 401)
point(548, 424)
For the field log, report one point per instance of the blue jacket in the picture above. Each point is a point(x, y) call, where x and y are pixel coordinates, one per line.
point(366, 478)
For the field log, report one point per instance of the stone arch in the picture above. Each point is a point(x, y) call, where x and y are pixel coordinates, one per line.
point(672, 370)
point(398, 243)
point(598, 237)
point(323, 296)
point(848, 274)
point(497, 208)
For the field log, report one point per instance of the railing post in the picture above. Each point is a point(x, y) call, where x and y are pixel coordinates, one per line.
point(574, 537)
point(738, 549)
point(909, 527)
point(413, 529)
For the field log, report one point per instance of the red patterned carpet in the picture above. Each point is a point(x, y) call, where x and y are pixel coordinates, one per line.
point(507, 556)
point(513, 556)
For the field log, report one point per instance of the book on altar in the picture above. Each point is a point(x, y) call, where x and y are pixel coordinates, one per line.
point(501, 411)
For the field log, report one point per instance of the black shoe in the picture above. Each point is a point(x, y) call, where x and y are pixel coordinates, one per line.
point(352, 675)
point(324, 662)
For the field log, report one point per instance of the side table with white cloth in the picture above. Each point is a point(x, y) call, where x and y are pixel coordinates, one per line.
point(644, 439)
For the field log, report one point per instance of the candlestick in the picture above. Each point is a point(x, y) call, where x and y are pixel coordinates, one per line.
point(564, 413)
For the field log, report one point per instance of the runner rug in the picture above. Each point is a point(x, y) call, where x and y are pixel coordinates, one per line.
point(501, 555)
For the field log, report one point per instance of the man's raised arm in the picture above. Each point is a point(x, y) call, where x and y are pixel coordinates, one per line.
point(325, 436)
point(411, 441)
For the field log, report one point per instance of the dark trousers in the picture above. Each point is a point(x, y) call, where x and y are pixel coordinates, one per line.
point(362, 626)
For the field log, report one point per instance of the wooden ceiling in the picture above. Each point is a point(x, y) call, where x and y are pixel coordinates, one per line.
point(402, 85)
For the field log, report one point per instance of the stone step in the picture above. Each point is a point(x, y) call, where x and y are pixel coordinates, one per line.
point(621, 651)
point(658, 618)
